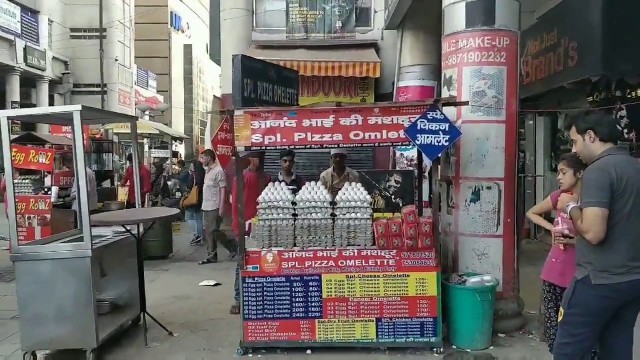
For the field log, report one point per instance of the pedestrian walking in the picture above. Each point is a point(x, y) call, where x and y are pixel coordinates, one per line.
point(601, 305)
point(193, 213)
point(214, 190)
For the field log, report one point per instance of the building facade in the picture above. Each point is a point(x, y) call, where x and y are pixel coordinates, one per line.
point(172, 40)
point(51, 53)
point(342, 53)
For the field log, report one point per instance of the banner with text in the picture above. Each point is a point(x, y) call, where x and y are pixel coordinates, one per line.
point(32, 158)
point(341, 296)
point(321, 19)
point(222, 142)
point(33, 217)
point(319, 89)
point(318, 128)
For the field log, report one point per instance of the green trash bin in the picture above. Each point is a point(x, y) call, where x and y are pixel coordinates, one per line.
point(469, 314)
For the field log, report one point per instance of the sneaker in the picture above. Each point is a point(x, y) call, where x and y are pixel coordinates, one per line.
point(196, 241)
point(232, 256)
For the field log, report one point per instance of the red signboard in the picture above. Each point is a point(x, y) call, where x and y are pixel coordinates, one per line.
point(33, 217)
point(63, 178)
point(66, 131)
point(341, 296)
point(32, 158)
point(351, 126)
point(222, 142)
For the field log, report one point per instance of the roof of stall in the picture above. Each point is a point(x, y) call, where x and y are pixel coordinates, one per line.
point(63, 115)
point(35, 138)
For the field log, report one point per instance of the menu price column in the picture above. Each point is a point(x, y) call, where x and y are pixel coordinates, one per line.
point(407, 330)
point(282, 297)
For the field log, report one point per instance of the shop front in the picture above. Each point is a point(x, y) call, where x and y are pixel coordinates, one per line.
point(327, 75)
point(576, 56)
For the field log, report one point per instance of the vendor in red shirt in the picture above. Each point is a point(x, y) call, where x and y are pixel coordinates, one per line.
point(145, 183)
point(255, 180)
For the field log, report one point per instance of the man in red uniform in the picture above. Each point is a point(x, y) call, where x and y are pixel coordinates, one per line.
point(145, 183)
point(255, 180)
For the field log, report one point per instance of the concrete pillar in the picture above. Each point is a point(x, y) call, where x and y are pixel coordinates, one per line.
point(42, 100)
point(420, 50)
point(480, 65)
point(12, 86)
point(419, 62)
point(236, 25)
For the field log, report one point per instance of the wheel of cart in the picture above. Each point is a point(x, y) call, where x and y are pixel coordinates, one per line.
point(92, 354)
point(241, 351)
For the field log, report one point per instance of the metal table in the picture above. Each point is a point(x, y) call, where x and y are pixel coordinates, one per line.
point(137, 216)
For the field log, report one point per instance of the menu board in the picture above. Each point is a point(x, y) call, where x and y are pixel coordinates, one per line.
point(33, 217)
point(341, 296)
point(32, 158)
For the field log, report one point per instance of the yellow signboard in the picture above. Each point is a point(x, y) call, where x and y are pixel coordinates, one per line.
point(319, 89)
point(379, 285)
point(346, 330)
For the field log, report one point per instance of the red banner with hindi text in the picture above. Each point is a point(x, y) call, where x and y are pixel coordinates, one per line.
point(316, 128)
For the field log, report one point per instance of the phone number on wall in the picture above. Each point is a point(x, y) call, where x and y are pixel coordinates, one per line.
point(475, 57)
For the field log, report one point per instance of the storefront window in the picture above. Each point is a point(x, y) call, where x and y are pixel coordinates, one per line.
point(272, 14)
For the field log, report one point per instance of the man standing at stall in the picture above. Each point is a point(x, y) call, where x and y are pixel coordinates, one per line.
point(145, 183)
point(601, 305)
point(293, 181)
point(254, 180)
point(92, 187)
point(214, 191)
point(339, 173)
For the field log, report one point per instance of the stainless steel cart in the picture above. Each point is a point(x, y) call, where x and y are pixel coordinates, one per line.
point(77, 288)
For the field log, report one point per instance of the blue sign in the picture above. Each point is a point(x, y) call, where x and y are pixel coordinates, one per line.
point(433, 132)
point(177, 23)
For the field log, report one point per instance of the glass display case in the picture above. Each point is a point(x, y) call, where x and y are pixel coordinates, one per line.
point(79, 286)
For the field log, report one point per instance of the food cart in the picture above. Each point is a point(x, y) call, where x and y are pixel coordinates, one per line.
point(311, 275)
point(79, 287)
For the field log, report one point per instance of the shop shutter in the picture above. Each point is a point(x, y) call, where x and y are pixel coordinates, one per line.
point(310, 163)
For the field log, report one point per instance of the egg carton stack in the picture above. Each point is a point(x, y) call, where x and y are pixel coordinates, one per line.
point(28, 184)
point(314, 223)
point(275, 226)
point(353, 221)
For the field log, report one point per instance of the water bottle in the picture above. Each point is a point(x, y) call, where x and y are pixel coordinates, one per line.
point(479, 280)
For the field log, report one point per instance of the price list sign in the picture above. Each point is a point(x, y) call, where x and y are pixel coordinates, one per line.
point(340, 296)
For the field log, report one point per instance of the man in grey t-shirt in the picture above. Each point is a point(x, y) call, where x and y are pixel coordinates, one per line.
point(600, 307)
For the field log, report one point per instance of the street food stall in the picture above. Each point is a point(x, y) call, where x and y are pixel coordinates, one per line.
point(157, 138)
point(157, 142)
point(78, 287)
point(319, 270)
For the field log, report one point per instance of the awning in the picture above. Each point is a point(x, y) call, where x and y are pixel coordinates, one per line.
point(37, 138)
point(352, 62)
point(146, 127)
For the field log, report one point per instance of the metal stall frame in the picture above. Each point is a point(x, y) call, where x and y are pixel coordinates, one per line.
point(78, 242)
point(245, 347)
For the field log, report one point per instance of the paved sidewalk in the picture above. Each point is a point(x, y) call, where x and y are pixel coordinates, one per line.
point(204, 328)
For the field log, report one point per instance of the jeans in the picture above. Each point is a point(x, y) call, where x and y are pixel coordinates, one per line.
point(599, 316)
point(194, 218)
point(236, 285)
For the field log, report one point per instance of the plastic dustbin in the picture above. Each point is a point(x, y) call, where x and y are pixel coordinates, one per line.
point(157, 242)
point(469, 314)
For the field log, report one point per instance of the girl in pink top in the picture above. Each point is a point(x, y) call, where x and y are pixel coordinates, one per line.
point(560, 266)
